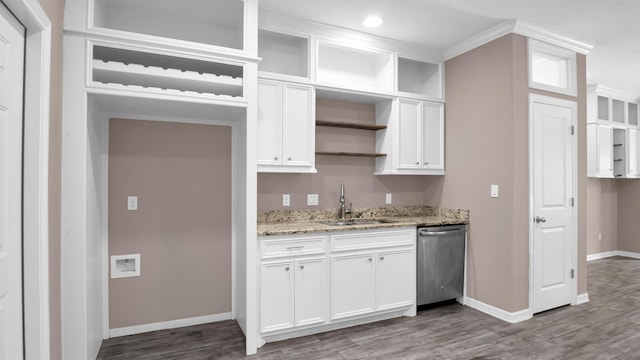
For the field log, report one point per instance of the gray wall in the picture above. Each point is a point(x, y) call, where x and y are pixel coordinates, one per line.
point(363, 189)
point(181, 174)
point(487, 143)
point(602, 215)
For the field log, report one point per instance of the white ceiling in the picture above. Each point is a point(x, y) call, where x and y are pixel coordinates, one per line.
point(611, 26)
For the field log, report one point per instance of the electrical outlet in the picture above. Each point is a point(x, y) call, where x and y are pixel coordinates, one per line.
point(494, 191)
point(387, 199)
point(132, 203)
point(286, 200)
point(312, 199)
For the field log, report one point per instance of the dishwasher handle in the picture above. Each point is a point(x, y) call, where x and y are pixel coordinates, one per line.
point(424, 232)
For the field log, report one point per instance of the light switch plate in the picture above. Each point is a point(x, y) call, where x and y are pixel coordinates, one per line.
point(132, 203)
point(494, 191)
point(387, 199)
point(312, 199)
point(286, 200)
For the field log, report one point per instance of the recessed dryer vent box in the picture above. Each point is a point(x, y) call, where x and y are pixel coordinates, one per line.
point(125, 266)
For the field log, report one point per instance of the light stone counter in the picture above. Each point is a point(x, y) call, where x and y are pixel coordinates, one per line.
point(286, 222)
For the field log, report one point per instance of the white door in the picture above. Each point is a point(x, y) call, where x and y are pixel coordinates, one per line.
point(395, 279)
point(269, 122)
point(409, 118)
point(298, 125)
point(605, 150)
point(311, 291)
point(353, 288)
point(633, 148)
point(433, 136)
point(553, 211)
point(11, 85)
point(276, 295)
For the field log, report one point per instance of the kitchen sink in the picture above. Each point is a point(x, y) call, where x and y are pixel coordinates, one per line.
point(350, 222)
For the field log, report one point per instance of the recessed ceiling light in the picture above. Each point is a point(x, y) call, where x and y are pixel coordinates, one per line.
point(373, 21)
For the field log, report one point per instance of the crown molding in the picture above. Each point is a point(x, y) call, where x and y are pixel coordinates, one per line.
point(516, 27)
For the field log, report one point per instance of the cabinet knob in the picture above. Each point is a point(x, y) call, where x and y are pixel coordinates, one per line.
point(381, 258)
point(417, 162)
point(370, 259)
point(288, 159)
point(301, 267)
point(275, 158)
point(287, 268)
point(426, 163)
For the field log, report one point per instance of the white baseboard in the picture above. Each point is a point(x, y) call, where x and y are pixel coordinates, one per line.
point(607, 254)
point(164, 325)
point(582, 299)
point(510, 317)
point(629, 254)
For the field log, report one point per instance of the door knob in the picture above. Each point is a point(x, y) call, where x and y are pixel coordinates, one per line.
point(540, 219)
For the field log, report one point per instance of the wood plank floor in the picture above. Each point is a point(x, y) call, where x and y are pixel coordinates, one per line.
point(608, 327)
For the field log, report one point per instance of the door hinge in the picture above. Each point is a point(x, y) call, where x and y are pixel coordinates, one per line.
point(573, 130)
point(573, 202)
point(572, 273)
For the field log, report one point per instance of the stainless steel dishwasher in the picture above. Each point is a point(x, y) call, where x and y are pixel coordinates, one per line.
point(440, 263)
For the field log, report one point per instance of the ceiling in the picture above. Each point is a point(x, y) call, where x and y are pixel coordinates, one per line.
point(612, 26)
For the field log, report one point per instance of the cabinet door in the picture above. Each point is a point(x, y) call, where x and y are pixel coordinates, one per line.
point(605, 151)
point(633, 147)
point(269, 122)
point(395, 278)
point(433, 136)
point(298, 123)
point(352, 285)
point(310, 291)
point(276, 295)
point(409, 135)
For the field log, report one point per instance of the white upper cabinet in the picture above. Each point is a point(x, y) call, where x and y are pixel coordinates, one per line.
point(409, 134)
point(552, 68)
point(433, 136)
point(633, 148)
point(414, 139)
point(286, 127)
point(613, 148)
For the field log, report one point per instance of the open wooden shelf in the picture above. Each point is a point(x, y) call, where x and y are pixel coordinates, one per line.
point(344, 153)
point(350, 125)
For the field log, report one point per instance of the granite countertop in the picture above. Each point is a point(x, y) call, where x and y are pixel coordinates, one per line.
point(286, 222)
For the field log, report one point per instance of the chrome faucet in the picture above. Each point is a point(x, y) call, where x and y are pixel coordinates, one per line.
point(343, 209)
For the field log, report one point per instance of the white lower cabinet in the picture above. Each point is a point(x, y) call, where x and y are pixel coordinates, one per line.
point(368, 282)
point(310, 291)
point(276, 295)
point(305, 284)
point(353, 285)
point(292, 293)
point(395, 278)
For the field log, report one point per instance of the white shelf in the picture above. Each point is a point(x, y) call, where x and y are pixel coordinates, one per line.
point(283, 54)
point(419, 77)
point(354, 68)
point(218, 23)
point(113, 72)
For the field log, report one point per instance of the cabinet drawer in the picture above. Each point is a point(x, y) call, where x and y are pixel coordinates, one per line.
point(373, 239)
point(292, 247)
